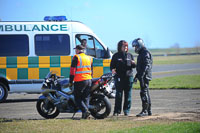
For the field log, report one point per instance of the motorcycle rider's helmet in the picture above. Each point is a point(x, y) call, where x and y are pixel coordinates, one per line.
point(138, 44)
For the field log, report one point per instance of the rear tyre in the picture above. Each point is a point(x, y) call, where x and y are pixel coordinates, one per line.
point(47, 111)
point(3, 92)
point(102, 106)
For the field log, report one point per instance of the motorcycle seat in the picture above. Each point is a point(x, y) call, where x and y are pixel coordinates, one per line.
point(69, 92)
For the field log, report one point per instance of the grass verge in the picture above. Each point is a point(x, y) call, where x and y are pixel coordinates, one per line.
point(90, 126)
point(177, 127)
point(175, 82)
point(162, 60)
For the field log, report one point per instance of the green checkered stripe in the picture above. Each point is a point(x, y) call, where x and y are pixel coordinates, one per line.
point(38, 67)
point(34, 67)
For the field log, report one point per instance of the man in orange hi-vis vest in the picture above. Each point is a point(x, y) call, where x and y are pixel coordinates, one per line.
point(81, 75)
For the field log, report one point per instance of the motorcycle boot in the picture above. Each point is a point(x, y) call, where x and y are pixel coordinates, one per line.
point(144, 111)
point(85, 115)
point(145, 103)
point(116, 114)
point(149, 110)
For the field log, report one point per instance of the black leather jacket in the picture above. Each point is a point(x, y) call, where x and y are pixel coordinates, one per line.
point(121, 61)
point(144, 64)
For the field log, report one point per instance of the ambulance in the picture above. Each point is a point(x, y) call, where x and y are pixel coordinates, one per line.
point(29, 50)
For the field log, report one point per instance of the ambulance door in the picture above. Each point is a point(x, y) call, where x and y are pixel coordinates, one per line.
point(101, 56)
point(93, 47)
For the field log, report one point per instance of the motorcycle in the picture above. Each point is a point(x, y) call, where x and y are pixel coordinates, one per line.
point(105, 85)
point(57, 97)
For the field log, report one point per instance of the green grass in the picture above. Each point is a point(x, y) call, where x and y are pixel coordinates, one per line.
point(161, 60)
point(175, 50)
point(176, 82)
point(177, 127)
point(90, 126)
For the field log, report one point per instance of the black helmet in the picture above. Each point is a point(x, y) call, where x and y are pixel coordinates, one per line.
point(138, 44)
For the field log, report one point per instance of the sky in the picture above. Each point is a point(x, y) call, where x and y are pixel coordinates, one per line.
point(160, 23)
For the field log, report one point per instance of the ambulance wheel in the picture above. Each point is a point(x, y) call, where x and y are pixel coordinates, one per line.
point(3, 92)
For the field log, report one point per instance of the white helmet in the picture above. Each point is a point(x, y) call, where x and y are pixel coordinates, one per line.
point(138, 44)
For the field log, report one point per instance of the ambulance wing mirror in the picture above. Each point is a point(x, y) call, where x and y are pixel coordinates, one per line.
point(107, 55)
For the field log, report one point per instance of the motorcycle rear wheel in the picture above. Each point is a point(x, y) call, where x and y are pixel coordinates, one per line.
point(103, 106)
point(49, 113)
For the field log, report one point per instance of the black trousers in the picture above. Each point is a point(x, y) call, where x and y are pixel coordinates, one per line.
point(82, 94)
point(123, 85)
point(144, 94)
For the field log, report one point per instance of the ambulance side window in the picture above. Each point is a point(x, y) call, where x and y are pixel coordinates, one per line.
point(14, 45)
point(90, 50)
point(52, 44)
point(93, 47)
point(100, 51)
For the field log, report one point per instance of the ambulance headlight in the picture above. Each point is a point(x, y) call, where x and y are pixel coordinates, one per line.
point(55, 18)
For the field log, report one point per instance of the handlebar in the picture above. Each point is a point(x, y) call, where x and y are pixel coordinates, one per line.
point(60, 76)
point(107, 75)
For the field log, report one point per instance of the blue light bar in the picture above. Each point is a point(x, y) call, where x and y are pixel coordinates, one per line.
point(55, 18)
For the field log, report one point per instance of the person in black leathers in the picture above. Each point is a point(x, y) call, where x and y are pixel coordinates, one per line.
point(144, 74)
point(122, 65)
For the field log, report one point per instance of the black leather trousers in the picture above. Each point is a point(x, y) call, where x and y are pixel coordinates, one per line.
point(144, 94)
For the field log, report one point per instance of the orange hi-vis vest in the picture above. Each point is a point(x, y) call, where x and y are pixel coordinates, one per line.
point(83, 70)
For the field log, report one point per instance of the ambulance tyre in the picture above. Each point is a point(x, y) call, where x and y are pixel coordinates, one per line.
point(3, 92)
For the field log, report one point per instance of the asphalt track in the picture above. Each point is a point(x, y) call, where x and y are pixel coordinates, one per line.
point(23, 106)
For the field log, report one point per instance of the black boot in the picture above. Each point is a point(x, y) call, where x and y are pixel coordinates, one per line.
point(115, 114)
point(85, 115)
point(149, 110)
point(142, 113)
point(144, 110)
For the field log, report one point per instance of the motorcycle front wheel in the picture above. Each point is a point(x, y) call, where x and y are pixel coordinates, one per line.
point(48, 111)
point(102, 106)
